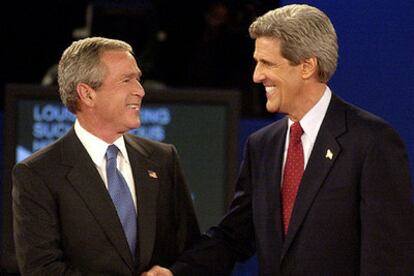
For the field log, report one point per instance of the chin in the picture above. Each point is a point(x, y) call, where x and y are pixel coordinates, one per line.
point(271, 109)
point(133, 126)
point(134, 122)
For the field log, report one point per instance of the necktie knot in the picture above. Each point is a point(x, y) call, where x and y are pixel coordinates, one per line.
point(296, 132)
point(111, 152)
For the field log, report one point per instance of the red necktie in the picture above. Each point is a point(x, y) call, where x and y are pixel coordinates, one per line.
point(293, 173)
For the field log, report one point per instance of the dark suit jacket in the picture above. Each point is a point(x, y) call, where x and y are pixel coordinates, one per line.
point(353, 213)
point(65, 221)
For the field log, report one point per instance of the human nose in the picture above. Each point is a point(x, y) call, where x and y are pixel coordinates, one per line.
point(139, 91)
point(258, 75)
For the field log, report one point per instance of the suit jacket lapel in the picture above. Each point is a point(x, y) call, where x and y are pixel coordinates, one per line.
point(86, 180)
point(146, 173)
point(325, 151)
point(273, 163)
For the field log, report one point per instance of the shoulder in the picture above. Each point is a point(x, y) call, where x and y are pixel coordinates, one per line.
point(367, 123)
point(359, 127)
point(46, 155)
point(45, 163)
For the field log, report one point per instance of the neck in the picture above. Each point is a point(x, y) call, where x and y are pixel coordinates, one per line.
point(103, 133)
point(310, 96)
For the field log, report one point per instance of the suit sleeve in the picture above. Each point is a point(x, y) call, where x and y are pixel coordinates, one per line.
point(386, 209)
point(230, 241)
point(36, 228)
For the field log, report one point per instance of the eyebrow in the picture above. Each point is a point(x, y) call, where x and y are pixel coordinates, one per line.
point(132, 75)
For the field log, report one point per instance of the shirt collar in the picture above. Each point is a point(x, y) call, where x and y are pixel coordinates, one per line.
point(95, 146)
point(312, 120)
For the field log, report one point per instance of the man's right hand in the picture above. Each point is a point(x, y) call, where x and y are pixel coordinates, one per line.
point(157, 271)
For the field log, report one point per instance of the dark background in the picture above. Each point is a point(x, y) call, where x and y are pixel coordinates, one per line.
point(200, 43)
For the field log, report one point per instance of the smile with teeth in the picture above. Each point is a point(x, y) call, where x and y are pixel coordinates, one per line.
point(270, 89)
point(133, 106)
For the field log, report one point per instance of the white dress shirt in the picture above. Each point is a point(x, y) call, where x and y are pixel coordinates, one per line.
point(96, 149)
point(310, 123)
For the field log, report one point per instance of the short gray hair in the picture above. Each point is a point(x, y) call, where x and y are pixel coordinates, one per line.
point(304, 32)
point(80, 63)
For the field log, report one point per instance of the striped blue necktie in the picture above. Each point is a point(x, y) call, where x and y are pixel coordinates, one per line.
point(121, 197)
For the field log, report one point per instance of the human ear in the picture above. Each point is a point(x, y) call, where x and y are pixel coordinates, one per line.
point(86, 94)
point(309, 67)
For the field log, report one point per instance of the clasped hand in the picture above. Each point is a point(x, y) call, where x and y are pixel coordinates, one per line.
point(157, 271)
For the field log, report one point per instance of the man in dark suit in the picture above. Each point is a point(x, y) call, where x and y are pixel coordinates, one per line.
point(325, 190)
point(67, 218)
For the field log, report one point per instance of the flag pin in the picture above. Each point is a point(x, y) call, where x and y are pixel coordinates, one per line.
point(152, 174)
point(329, 154)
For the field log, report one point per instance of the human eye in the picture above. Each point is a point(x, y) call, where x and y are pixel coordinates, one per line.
point(266, 64)
point(125, 79)
point(130, 80)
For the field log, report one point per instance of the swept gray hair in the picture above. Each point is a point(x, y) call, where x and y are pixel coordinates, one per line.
point(304, 31)
point(80, 63)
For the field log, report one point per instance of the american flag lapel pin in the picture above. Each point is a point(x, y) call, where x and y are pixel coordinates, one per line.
point(329, 154)
point(152, 174)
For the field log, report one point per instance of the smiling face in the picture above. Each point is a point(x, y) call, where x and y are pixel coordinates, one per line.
point(117, 102)
point(283, 82)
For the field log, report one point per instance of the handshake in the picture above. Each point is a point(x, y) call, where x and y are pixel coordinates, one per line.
point(157, 271)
